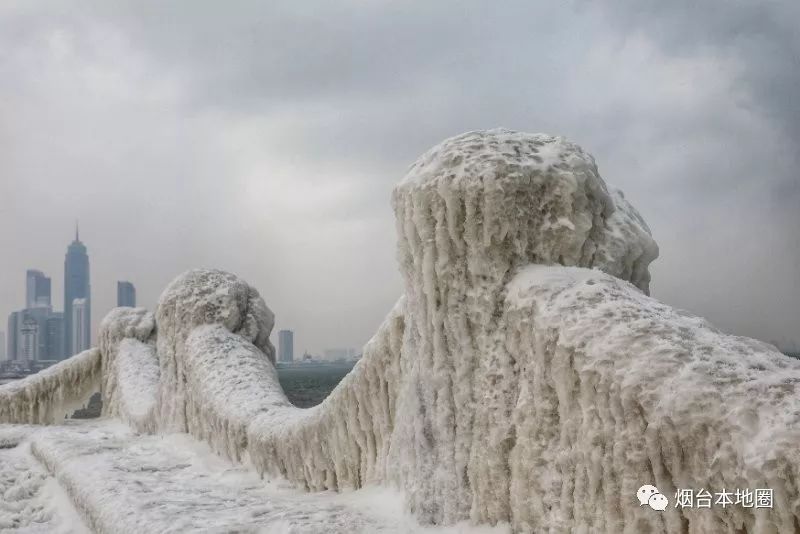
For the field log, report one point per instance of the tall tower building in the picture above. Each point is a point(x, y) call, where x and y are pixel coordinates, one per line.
point(126, 295)
point(37, 289)
point(2, 347)
point(285, 346)
point(76, 286)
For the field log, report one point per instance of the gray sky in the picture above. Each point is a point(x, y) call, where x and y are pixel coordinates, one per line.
point(264, 138)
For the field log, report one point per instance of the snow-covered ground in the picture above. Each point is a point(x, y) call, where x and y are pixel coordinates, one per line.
point(31, 500)
point(123, 482)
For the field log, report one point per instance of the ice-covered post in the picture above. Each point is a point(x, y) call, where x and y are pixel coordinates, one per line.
point(196, 298)
point(469, 213)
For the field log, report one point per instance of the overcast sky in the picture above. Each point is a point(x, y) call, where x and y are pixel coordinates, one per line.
point(264, 138)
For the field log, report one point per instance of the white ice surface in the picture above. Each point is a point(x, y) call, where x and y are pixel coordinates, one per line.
point(31, 501)
point(53, 394)
point(126, 483)
point(616, 389)
point(138, 376)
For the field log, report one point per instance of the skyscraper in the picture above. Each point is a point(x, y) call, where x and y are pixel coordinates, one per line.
point(2, 347)
point(126, 294)
point(80, 327)
point(285, 346)
point(28, 349)
point(13, 330)
point(54, 336)
point(35, 333)
point(76, 286)
point(37, 289)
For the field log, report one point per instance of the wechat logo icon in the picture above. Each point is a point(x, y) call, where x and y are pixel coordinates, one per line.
point(650, 496)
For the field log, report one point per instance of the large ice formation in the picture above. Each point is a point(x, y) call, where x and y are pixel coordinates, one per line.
point(525, 376)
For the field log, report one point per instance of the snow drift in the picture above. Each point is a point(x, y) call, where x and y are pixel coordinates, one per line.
point(524, 376)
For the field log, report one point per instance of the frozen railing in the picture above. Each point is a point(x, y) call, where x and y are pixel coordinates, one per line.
point(524, 376)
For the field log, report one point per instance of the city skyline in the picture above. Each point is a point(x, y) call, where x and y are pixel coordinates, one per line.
point(54, 326)
point(37, 332)
point(128, 290)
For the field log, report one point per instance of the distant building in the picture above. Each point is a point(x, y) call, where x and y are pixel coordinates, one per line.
point(37, 289)
point(35, 334)
point(28, 348)
point(126, 295)
point(76, 287)
point(340, 354)
point(80, 326)
point(2, 346)
point(54, 336)
point(11, 340)
point(285, 346)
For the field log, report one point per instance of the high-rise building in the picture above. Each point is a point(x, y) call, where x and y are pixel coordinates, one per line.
point(28, 348)
point(126, 294)
point(37, 289)
point(31, 338)
point(285, 346)
point(35, 334)
point(2, 346)
point(54, 336)
point(76, 287)
point(12, 331)
point(80, 327)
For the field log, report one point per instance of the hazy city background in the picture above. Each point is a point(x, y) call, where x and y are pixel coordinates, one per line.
point(266, 140)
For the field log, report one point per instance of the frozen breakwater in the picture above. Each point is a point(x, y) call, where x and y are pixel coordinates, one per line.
point(525, 377)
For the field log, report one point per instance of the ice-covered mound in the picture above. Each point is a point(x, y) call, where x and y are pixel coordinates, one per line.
point(196, 298)
point(524, 376)
point(482, 203)
point(470, 213)
point(130, 375)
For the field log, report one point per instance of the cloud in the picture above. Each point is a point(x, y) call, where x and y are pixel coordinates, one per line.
point(266, 139)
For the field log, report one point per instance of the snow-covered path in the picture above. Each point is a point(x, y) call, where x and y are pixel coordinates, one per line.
point(31, 501)
point(128, 483)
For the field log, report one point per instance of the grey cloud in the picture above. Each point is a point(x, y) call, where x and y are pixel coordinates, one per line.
point(265, 138)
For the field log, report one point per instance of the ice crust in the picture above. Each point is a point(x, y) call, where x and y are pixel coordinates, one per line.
point(53, 394)
point(124, 482)
point(523, 377)
point(31, 501)
point(617, 390)
point(481, 203)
